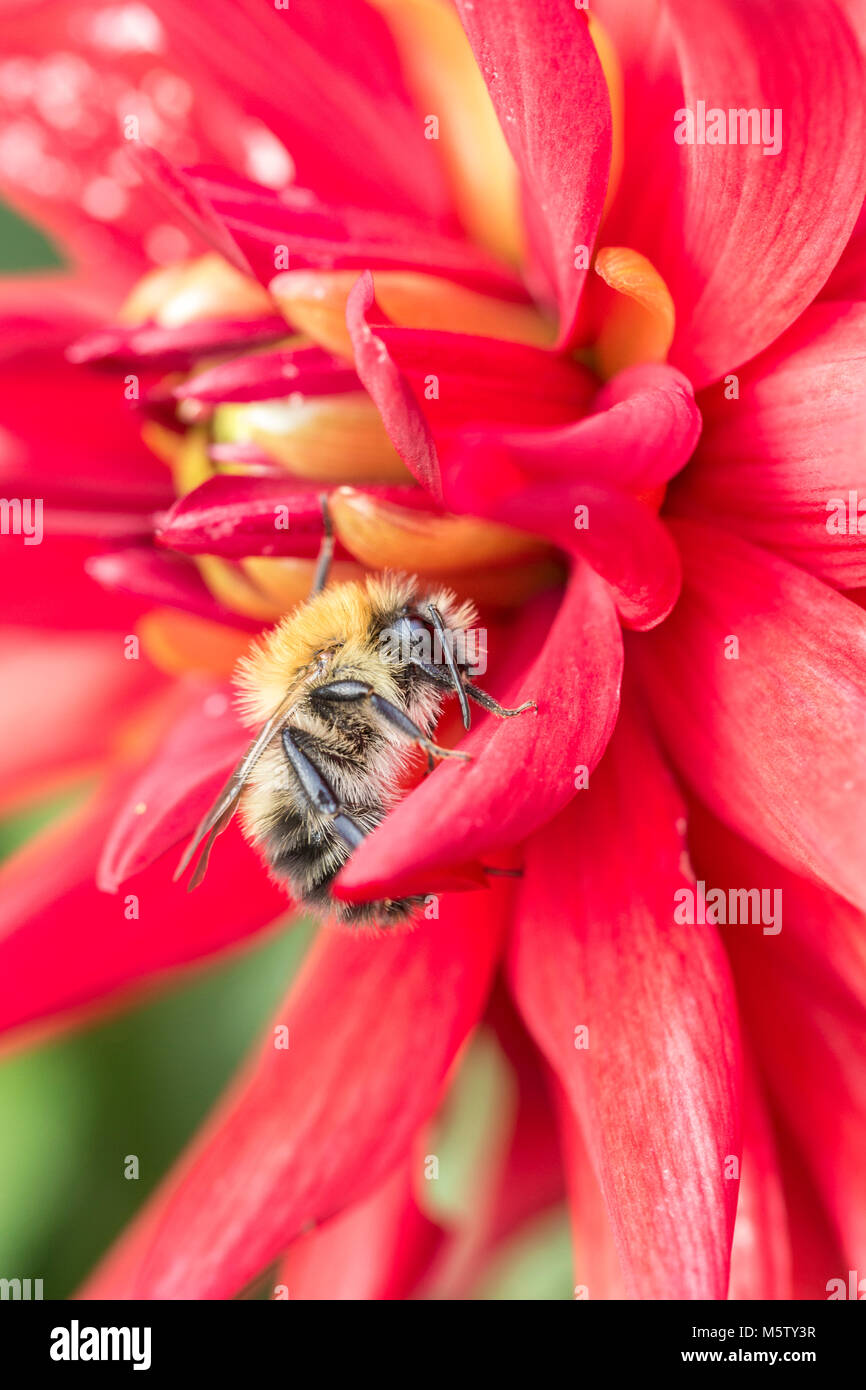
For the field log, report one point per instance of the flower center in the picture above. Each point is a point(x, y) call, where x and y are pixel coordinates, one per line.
point(291, 410)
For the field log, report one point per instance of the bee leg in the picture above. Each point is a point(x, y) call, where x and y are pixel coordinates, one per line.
point(357, 691)
point(406, 726)
point(318, 791)
point(487, 702)
point(349, 831)
point(326, 550)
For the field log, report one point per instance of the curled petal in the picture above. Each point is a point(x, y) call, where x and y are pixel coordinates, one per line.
point(406, 426)
point(638, 317)
point(643, 427)
point(459, 376)
point(428, 382)
point(619, 536)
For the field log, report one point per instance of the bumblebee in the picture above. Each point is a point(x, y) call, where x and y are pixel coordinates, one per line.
point(343, 690)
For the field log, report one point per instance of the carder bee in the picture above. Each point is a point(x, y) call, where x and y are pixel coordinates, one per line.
point(344, 688)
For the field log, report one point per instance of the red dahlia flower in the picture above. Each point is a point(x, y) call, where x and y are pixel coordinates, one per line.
point(482, 274)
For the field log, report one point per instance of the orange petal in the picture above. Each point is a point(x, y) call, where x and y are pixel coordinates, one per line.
point(185, 644)
point(639, 319)
point(610, 66)
point(314, 302)
point(206, 288)
point(166, 444)
point(191, 465)
point(383, 535)
point(335, 438)
point(447, 84)
point(228, 583)
point(506, 586)
point(284, 582)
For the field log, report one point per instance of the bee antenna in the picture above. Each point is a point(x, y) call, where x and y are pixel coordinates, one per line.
point(451, 664)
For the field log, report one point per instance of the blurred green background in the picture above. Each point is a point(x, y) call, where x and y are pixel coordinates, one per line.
point(141, 1082)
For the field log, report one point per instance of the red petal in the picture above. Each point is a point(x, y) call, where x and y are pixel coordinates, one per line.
point(76, 73)
point(656, 1089)
point(523, 769)
point(768, 739)
point(597, 1269)
point(477, 379)
point(74, 448)
point(848, 280)
point(742, 240)
point(824, 932)
point(486, 378)
point(622, 539)
point(322, 236)
point(171, 794)
point(775, 463)
point(163, 579)
point(817, 1255)
point(267, 376)
point(518, 1165)
point(816, 1077)
point(562, 148)
point(53, 590)
point(815, 1070)
point(347, 128)
point(390, 391)
point(314, 1128)
point(176, 347)
point(182, 196)
point(761, 1250)
point(64, 698)
point(533, 1174)
point(236, 516)
point(377, 1249)
point(643, 428)
point(64, 946)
